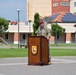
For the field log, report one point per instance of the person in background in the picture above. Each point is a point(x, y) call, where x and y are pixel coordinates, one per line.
point(43, 30)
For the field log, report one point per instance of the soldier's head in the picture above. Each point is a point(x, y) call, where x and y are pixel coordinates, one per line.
point(41, 23)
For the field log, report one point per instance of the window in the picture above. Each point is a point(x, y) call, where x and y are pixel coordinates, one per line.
point(65, 4)
point(74, 12)
point(6, 36)
point(74, 4)
point(55, 4)
point(24, 37)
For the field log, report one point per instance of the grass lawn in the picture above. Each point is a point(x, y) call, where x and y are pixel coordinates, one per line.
point(4, 53)
point(13, 53)
point(63, 45)
point(63, 52)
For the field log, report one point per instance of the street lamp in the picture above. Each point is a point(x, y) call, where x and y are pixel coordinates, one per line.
point(75, 33)
point(29, 25)
point(56, 32)
point(18, 10)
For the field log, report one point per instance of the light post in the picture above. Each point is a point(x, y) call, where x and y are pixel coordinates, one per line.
point(56, 32)
point(75, 36)
point(75, 33)
point(18, 10)
point(29, 26)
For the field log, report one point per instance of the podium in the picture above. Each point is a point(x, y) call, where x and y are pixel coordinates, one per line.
point(38, 50)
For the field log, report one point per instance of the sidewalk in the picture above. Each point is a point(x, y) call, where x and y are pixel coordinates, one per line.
point(19, 66)
point(63, 47)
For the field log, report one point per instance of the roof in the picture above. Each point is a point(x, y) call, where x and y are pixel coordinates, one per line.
point(64, 17)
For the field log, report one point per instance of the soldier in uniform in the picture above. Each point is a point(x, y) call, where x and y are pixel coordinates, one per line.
point(43, 30)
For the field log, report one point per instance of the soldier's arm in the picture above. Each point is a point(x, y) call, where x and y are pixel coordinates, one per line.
point(48, 33)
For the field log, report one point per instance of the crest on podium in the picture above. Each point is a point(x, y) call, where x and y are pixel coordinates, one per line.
point(34, 49)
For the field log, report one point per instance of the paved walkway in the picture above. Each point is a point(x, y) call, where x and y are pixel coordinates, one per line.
point(63, 47)
point(19, 66)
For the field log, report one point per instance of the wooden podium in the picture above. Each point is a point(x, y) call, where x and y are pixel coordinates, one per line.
point(38, 50)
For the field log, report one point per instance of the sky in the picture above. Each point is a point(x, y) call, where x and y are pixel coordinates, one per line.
point(8, 9)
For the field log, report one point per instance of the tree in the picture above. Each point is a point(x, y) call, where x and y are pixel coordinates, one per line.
point(36, 23)
point(3, 25)
point(56, 30)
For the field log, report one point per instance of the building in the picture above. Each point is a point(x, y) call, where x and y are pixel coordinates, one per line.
point(66, 20)
point(11, 35)
point(46, 8)
point(73, 6)
point(43, 7)
point(60, 5)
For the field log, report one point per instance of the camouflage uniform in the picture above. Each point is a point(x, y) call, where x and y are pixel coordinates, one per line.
point(46, 32)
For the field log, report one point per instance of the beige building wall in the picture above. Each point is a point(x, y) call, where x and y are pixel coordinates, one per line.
point(43, 7)
point(72, 7)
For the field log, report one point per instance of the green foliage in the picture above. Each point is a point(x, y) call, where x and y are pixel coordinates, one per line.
point(55, 27)
point(4, 53)
point(3, 25)
point(63, 52)
point(36, 23)
point(13, 53)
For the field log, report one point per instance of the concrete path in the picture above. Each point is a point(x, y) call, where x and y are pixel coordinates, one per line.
point(19, 66)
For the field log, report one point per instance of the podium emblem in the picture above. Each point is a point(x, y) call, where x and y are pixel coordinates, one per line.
point(34, 49)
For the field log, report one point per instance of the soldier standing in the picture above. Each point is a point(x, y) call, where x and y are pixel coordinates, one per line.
point(43, 30)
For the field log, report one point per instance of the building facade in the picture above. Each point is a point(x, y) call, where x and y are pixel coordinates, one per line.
point(73, 6)
point(66, 20)
point(68, 37)
point(11, 35)
point(46, 8)
point(60, 5)
point(43, 7)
